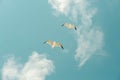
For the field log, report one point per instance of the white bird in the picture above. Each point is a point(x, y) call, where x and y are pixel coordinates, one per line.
point(69, 26)
point(53, 44)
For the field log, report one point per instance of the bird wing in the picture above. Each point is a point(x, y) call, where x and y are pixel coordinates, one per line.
point(66, 24)
point(59, 45)
point(49, 42)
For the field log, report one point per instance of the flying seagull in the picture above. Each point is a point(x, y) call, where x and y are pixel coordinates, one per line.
point(69, 26)
point(53, 44)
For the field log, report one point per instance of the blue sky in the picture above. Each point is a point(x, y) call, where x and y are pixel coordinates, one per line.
point(91, 52)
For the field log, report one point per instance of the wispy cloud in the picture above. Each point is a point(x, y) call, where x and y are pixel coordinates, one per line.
point(89, 37)
point(36, 68)
point(89, 43)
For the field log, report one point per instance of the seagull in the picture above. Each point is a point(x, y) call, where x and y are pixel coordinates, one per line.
point(53, 44)
point(69, 26)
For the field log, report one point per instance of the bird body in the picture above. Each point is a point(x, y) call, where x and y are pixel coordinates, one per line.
point(70, 26)
point(54, 44)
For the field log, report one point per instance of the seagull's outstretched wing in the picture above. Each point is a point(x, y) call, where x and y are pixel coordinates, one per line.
point(59, 45)
point(65, 24)
point(48, 42)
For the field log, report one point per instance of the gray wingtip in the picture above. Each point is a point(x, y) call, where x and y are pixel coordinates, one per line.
point(62, 47)
point(75, 28)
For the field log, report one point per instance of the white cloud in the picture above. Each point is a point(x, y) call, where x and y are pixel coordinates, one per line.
point(10, 70)
point(36, 68)
point(89, 37)
point(60, 5)
point(89, 43)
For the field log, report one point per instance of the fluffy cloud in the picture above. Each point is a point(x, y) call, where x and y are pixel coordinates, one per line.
point(60, 5)
point(36, 68)
point(89, 37)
